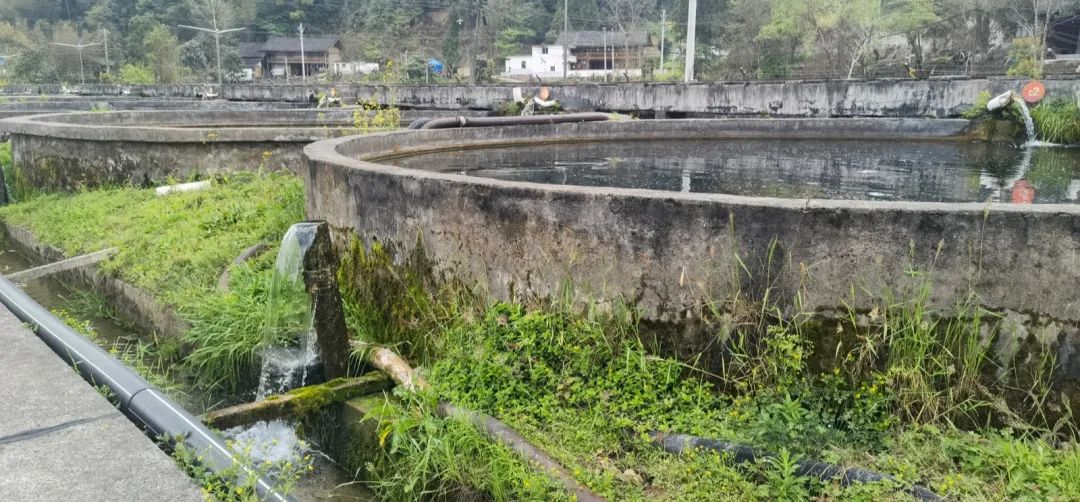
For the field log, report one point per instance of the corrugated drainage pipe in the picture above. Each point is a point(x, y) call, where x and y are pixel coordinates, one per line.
point(142, 403)
point(678, 443)
point(452, 122)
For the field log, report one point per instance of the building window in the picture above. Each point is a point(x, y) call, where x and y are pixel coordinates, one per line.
point(552, 68)
point(543, 50)
point(523, 65)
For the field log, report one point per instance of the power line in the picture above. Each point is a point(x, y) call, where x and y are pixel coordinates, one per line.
point(79, 47)
point(217, 37)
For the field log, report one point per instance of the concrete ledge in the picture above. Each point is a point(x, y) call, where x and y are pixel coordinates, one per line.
point(668, 252)
point(936, 97)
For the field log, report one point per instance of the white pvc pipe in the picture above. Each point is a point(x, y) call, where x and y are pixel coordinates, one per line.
point(183, 187)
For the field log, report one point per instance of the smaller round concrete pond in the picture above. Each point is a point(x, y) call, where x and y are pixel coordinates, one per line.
point(669, 214)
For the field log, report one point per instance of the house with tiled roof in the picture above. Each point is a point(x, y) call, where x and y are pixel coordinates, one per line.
point(280, 56)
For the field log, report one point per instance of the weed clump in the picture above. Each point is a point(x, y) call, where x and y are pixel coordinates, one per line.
point(1057, 121)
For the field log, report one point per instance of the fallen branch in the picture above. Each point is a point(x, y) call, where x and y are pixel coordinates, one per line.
point(297, 401)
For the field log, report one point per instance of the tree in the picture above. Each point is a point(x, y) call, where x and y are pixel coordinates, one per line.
point(629, 16)
point(841, 32)
point(1037, 15)
point(163, 54)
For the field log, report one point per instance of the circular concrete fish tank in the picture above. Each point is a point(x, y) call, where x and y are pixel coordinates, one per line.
point(670, 214)
point(70, 151)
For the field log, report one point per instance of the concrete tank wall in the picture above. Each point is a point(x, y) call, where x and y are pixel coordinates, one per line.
point(84, 150)
point(841, 98)
point(669, 251)
point(71, 151)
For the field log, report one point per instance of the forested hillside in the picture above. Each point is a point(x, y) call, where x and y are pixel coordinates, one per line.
point(144, 41)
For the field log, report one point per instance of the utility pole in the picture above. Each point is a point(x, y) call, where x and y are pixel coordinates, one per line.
point(475, 41)
point(565, 34)
point(80, 46)
point(217, 41)
point(691, 34)
point(663, 26)
point(303, 57)
point(105, 33)
point(604, 29)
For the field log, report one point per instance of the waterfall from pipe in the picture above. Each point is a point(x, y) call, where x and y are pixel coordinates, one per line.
point(1029, 123)
point(289, 347)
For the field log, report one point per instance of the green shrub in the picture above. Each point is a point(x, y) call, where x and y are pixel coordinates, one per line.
point(979, 108)
point(136, 74)
point(1022, 56)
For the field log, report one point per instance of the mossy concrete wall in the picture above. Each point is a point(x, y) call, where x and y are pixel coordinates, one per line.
point(669, 252)
point(938, 97)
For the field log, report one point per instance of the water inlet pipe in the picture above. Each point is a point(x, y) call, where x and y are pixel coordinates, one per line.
point(452, 122)
point(141, 402)
point(1001, 101)
point(740, 454)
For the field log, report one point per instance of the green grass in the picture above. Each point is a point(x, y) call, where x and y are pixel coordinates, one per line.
point(175, 248)
point(586, 396)
point(1057, 121)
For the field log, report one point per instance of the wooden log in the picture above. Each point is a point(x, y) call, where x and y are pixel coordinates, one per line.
point(298, 401)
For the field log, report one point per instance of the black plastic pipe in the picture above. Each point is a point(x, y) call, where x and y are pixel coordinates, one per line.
point(678, 443)
point(143, 404)
point(452, 122)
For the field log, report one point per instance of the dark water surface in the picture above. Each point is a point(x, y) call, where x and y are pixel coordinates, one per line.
point(936, 171)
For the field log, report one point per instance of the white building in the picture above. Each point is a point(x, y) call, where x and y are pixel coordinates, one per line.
point(544, 62)
point(592, 54)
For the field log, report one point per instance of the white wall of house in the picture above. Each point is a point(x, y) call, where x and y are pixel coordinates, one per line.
point(354, 68)
point(544, 61)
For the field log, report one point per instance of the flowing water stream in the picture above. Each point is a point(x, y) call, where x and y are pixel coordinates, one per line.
point(1029, 123)
point(290, 357)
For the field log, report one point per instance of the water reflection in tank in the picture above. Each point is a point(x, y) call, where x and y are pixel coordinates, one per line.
point(943, 171)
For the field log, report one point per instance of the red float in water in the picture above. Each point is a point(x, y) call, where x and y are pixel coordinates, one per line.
point(1023, 192)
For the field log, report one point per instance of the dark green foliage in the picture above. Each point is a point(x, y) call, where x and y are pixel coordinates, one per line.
point(1057, 121)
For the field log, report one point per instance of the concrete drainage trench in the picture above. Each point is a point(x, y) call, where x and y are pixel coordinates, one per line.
point(273, 438)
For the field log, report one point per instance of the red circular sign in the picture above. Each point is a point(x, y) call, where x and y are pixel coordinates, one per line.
point(1034, 91)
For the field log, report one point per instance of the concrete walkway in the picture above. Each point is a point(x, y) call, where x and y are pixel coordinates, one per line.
point(61, 440)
